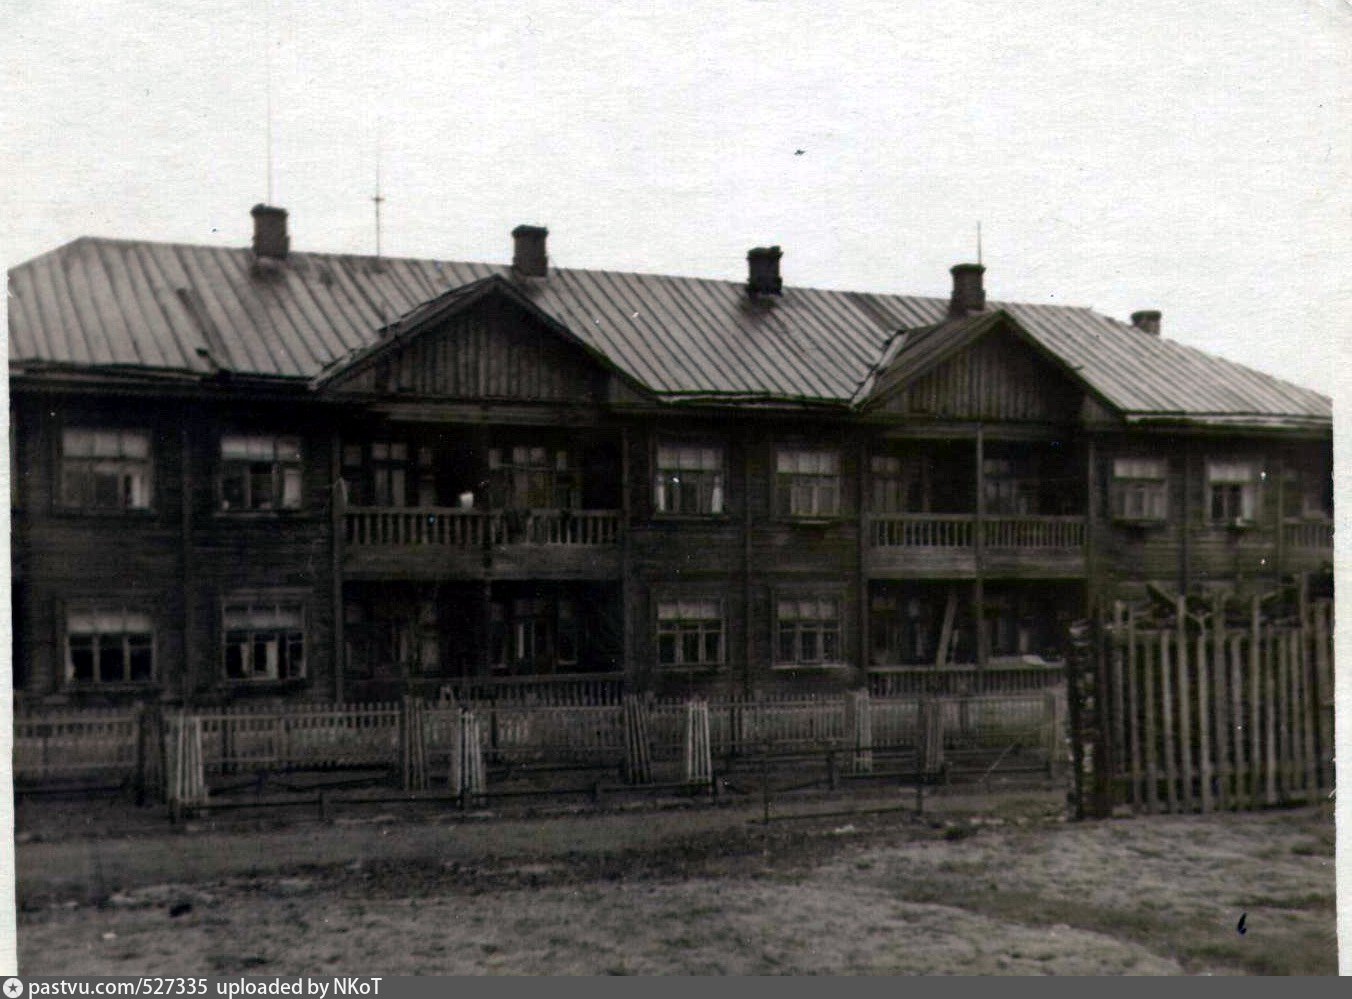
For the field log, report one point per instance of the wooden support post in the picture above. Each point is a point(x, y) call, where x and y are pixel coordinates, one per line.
point(1166, 676)
point(1307, 713)
point(1218, 671)
point(627, 611)
point(1270, 712)
point(748, 441)
point(946, 631)
point(1324, 690)
point(1204, 746)
point(1185, 727)
point(1146, 650)
point(1134, 711)
point(187, 580)
point(1242, 789)
point(978, 557)
point(337, 506)
point(1255, 640)
point(1118, 641)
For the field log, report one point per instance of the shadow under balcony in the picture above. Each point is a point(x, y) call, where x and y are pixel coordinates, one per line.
point(452, 542)
point(951, 545)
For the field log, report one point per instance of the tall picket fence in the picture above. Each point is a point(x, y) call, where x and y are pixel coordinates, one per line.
point(1212, 709)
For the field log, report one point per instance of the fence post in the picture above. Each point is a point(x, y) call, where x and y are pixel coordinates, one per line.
point(1055, 742)
point(638, 766)
point(412, 745)
point(699, 767)
point(860, 709)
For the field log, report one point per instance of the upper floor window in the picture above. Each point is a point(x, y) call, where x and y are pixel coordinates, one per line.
point(109, 644)
point(105, 469)
point(689, 479)
point(807, 482)
point(1140, 489)
point(689, 633)
point(534, 477)
point(809, 631)
point(264, 639)
point(260, 472)
point(389, 473)
point(1012, 485)
point(1307, 496)
point(1232, 491)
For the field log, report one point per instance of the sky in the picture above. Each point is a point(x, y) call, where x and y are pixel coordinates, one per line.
point(1188, 158)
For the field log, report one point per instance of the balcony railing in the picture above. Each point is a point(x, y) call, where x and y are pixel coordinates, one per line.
point(1033, 532)
point(1308, 534)
point(454, 527)
point(931, 530)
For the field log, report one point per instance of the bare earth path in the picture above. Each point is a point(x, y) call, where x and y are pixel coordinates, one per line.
point(986, 888)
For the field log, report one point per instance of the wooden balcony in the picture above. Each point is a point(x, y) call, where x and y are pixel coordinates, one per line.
point(450, 542)
point(944, 546)
point(1308, 536)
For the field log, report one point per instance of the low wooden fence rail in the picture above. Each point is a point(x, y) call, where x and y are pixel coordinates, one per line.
point(458, 740)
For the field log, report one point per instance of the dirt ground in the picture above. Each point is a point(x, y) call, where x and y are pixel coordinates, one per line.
point(999, 885)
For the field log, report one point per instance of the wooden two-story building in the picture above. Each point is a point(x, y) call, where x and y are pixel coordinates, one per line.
point(253, 472)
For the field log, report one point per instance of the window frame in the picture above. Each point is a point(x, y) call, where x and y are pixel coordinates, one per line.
point(1153, 489)
point(278, 474)
point(95, 607)
point(149, 463)
point(784, 492)
point(564, 482)
point(819, 595)
point(681, 629)
point(257, 598)
point(1248, 492)
point(661, 483)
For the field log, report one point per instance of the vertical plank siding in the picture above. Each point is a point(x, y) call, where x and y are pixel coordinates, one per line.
point(1209, 716)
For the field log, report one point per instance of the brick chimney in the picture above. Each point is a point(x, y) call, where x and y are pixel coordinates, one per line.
point(528, 255)
point(969, 295)
point(270, 240)
point(762, 267)
point(1147, 321)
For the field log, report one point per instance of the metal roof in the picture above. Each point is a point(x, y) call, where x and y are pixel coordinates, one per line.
point(103, 303)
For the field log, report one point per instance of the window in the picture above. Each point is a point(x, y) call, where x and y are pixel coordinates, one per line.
point(389, 473)
point(532, 477)
point(1012, 486)
point(809, 631)
point(1140, 489)
point(109, 644)
point(689, 633)
point(105, 469)
point(1306, 496)
point(807, 483)
point(898, 486)
point(260, 472)
point(689, 480)
point(1232, 488)
point(264, 640)
point(535, 635)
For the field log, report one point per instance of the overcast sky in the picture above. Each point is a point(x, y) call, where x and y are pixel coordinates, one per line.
point(1191, 158)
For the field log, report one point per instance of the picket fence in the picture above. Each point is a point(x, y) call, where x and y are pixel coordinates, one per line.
point(462, 739)
point(1206, 709)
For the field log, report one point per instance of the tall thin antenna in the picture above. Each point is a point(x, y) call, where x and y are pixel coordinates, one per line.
point(378, 199)
point(267, 51)
point(978, 242)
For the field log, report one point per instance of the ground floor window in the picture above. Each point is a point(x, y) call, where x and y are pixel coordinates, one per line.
point(809, 631)
point(689, 632)
point(264, 640)
point(534, 635)
point(109, 644)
